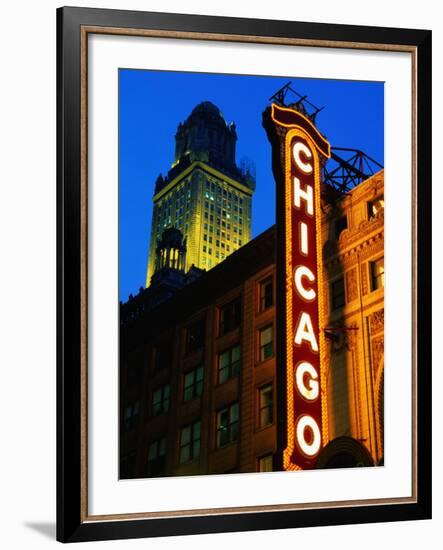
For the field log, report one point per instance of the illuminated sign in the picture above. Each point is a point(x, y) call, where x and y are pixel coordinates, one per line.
point(298, 148)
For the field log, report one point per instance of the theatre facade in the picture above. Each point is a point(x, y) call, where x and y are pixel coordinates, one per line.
point(205, 387)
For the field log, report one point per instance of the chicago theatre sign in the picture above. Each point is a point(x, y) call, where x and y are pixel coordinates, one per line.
point(298, 150)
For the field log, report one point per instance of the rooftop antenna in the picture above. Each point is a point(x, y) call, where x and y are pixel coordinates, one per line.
point(299, 102)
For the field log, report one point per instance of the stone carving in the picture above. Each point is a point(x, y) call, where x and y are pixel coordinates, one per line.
point(351, 285)
point(378, 349)
point(352, 335)
point(365, 227)
point(377, 321)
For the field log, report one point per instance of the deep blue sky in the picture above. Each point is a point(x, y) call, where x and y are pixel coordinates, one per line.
point(152, 103)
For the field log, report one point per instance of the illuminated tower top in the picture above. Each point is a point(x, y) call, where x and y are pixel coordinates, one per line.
point(204, 194)
point(206, 136)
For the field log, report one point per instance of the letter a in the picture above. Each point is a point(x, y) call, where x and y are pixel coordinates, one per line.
point(305, 331)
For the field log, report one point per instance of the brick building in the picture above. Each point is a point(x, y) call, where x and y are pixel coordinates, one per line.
point(201, 386)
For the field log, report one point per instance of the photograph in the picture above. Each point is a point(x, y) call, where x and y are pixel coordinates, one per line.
point(223, 228)
point(201, 199)
point(251, 273)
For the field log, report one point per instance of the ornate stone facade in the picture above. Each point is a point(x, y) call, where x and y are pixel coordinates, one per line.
point(377, 321)
point(357, 325)
point(351, 285)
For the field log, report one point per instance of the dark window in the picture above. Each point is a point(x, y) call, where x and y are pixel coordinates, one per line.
point(266, 341)
point(195, 335)
point(228, 364)
point(156, 458)
point(266, 294)
point(190, 442)
point(265, 406)
point(193, 384)
point(130, 415)
point(162, 356)
point(265, 463)
point(338, 293)
point(340, 225)
point(375, 206)
point(230, 316)
point(160, 400)
point(377, 273)
point(227, 425)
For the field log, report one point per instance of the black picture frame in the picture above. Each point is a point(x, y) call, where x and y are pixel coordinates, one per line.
point(72, 524)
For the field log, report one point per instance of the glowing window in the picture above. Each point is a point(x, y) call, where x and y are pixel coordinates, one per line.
point(377, 274)
point(376, 206)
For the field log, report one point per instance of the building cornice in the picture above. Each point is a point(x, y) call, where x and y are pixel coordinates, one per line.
point(350, 241)
point(205, 168)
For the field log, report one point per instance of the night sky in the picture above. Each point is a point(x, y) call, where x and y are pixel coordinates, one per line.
point(152, 103)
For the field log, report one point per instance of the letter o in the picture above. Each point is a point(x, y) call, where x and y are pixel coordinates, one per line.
point(312, 448)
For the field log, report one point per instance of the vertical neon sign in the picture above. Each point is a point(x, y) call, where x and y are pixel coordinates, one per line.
point(298, 149)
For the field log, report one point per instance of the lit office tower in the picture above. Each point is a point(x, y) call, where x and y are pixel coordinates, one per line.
point(205, 194)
